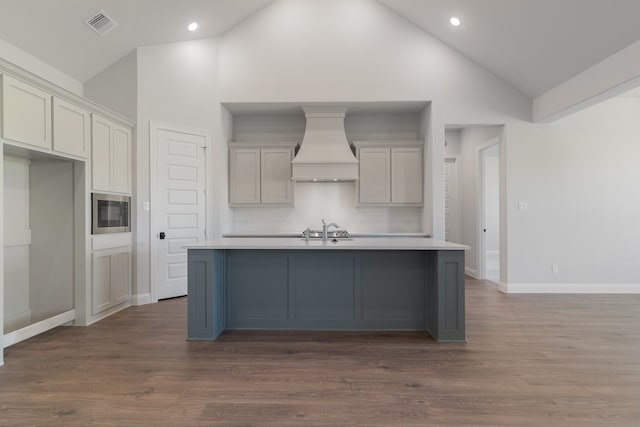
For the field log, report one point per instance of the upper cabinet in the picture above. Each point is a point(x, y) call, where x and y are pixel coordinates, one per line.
point(111, 156)
point(26, 113)
point(391, 173)
point(34, 117)
point(71, 128)
point(260, 175)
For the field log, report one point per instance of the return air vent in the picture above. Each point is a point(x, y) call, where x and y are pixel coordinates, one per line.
point(101, 23)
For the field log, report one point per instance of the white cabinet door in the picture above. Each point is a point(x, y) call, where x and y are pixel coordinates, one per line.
point(406, 175)
point(244, 176)
point(111, 278)
point(101, 282)
point(26, 113)
point(101, 149)
point(121, 276)
point(275, 176)
point(375, 175)
point(121, 158)
point(71, 128)
point(110, 156)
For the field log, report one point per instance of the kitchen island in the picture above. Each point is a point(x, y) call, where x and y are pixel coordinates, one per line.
point(292, 284)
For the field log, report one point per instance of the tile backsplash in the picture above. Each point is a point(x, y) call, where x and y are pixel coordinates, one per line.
point(335, 202)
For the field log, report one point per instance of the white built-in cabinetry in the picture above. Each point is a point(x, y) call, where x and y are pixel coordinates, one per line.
point(40, 120)
point(26, 113)
point(71, 128)
point(111, 156)
point(65, 273)
point(111, 277)
point(111, 255)
point(391, 173)
point(260, 174)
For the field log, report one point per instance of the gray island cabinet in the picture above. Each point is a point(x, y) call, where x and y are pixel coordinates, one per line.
point(374, 284)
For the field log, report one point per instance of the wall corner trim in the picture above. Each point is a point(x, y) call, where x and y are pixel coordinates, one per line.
point(141, 299)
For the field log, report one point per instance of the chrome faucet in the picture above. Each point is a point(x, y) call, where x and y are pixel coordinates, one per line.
point(325, 228)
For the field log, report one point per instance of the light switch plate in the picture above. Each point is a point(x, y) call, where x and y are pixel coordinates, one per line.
point(145, 206)
point(523, 206)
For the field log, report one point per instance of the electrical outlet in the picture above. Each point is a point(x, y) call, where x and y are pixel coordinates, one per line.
point(555, 269)
point(523, 206)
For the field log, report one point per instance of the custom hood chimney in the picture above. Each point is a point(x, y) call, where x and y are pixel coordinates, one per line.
point(325, 154)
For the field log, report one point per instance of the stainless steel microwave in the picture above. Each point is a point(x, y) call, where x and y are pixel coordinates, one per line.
point(110, 213)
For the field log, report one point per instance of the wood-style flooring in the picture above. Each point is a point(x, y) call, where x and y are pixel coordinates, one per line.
point(530, 360)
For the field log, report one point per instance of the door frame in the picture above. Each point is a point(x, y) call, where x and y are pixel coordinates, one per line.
point(154, 192)
point(480, 205)
point(453, 162)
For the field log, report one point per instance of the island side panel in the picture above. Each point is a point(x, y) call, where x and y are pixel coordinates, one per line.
point(205, 302)
point(325, 290)
point(257, 289)
point(448, 294)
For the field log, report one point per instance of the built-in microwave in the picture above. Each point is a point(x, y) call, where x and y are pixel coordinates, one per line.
point(110, 213)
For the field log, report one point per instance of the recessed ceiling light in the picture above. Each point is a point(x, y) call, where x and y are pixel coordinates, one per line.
point(455, 21)
point(193, 26)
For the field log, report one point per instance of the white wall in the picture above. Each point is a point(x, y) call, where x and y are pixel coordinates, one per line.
point(177, 85)
point(26, 61)
point(17, 238)
point(452, 138)
point(116, 87)
point(580, 179)
point(358, 50)
point(51, 253)
point(355, 50)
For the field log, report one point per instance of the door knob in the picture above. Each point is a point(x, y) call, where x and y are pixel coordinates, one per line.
point(162, 235)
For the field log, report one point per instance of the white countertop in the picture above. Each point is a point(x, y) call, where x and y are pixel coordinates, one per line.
point(294, 234)
point(370, 243)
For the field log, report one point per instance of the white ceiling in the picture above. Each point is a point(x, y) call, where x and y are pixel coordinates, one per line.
point(54, 30)
point(534, 45)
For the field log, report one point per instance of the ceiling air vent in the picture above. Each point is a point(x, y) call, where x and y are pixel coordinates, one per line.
point(101, 23)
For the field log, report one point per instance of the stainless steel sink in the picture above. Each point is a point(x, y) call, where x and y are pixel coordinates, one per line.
point(331, 235)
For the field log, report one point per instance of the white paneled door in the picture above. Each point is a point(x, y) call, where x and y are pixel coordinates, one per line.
point(180, 208)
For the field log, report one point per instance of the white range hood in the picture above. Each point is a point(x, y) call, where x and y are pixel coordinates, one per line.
point(325, 154)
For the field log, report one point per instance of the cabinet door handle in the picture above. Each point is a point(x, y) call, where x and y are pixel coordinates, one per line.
point(162, 235)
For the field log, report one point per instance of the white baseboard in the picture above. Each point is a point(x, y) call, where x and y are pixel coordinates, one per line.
point(37, 328)
point(141, 299)
point(471, 273)
point(17, 320)
point(572, 288)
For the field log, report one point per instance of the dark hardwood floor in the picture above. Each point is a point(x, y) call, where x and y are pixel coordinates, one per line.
point(530, 360)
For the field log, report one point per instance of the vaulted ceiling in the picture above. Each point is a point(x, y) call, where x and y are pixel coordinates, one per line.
point(533, 45)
